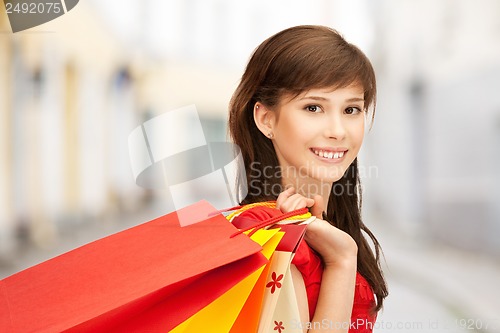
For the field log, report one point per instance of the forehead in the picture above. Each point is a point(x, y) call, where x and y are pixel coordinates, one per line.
point(354, 90)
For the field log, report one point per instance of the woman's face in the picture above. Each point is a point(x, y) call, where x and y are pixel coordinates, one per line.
point(319, 133)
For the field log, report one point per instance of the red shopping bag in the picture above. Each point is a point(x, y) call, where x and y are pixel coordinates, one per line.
point(147, 278)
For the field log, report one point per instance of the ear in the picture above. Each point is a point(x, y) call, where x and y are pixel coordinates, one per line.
point(264, 119)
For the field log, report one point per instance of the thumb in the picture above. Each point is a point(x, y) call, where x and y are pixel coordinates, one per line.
point(318, 207)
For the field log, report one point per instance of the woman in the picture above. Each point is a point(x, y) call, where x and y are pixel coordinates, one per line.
point(298, 116)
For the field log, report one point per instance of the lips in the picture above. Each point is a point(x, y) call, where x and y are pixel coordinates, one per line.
point(329, 153)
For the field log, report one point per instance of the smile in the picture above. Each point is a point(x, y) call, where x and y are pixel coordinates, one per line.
point(328, 154)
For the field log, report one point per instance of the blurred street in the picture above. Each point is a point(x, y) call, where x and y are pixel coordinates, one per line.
point(436, 288)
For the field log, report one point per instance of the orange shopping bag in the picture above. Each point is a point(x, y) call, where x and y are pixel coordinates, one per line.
point(149, 278)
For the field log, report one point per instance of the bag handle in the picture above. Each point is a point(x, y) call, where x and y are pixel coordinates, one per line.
point(270, 221)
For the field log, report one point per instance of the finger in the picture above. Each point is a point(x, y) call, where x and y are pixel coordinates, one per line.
point(289, 204)
point(283, 196)
point(301, 201)
point(296, 201)
point(318, 207)
point(309, 202)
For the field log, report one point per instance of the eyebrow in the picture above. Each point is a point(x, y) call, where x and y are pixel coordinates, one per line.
point(356, 99)
point(319, 98)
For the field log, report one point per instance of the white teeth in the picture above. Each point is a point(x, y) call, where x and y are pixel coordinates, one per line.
point(326, 154)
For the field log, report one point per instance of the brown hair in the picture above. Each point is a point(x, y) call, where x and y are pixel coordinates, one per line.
point(291, 62)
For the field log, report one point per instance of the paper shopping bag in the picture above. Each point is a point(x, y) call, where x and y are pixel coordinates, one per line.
point(286, 316)
point(239, 309)
point(274, 292)
point(154, 275)
point(279, 302)
point(248, 318)
point(221, 314)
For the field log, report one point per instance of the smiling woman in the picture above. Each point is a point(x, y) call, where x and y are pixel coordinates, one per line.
point(301, 108)
point(320, 131)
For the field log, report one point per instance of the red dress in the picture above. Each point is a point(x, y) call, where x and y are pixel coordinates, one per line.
point(311, 267)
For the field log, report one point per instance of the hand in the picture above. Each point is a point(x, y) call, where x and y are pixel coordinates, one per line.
point(335, 246)
point(288, 201)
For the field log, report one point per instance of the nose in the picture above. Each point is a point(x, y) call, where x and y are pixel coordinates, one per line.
point(335, 127)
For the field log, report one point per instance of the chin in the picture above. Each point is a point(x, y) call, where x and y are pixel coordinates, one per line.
point(328, 175)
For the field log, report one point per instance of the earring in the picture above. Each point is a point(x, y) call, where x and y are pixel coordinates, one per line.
point(270, 135)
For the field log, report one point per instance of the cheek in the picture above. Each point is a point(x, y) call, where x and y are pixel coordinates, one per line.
point(357, 132)
point(289, 126)
point(290, 133)
point(360, 135)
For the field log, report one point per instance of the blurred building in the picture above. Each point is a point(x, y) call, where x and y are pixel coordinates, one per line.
point(5, 172)
point(436, 134)
point(68, 101)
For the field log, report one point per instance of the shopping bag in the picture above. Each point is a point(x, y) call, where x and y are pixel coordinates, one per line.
point(240, 309)
point(220, 315)
point(276, 293)
point(286, 316)
point(151, 277)
point(279, 297)
point(248, 319)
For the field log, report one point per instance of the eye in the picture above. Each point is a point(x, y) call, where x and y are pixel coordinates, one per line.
point(352, 110)
point(313, 108)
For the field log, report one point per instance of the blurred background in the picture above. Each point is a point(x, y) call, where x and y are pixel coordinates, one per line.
point(72, 90)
